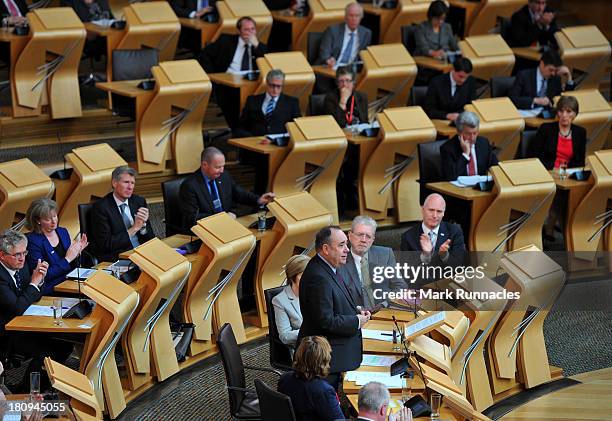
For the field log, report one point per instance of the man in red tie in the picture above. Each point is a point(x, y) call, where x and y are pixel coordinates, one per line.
point(13, 12)
point(466, 153)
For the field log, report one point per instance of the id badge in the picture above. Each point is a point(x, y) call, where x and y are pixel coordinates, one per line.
point(217, 203)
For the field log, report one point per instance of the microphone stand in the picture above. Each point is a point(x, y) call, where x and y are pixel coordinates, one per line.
point(406, 350)
point(83, 307)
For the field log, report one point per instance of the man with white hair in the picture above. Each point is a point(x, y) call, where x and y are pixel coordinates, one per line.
point(466, 153)
point(361, 261)
point(373, 404)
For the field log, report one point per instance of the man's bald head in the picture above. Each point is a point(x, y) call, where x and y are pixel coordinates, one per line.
point(433, 210)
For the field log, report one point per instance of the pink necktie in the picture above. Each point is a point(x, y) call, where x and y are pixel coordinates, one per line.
point(12, 7)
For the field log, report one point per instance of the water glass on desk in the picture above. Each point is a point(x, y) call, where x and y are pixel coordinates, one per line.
point(57, 312)
point(563, 170)
point(435, 403)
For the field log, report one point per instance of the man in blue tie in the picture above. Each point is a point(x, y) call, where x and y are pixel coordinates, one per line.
point(211, 190)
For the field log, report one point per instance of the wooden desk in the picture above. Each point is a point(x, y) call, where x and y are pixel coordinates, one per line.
point(246, 87)
point(350, 387)
point(444, 128)
point(16, 45)
point(206, 29)
point(529, 53)
point(326, 71)
point(274, 154)
point(46, 324)
point(536, 122)
point(576, 190)
point(433, 63)
point(479, 201)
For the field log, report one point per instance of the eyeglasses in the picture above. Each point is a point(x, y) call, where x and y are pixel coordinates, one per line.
point(345, 80)
point(19, 254)
point(363, 235)
point(275, 86)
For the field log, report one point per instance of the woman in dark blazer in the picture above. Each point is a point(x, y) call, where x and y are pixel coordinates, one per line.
point(346, 105)
point(51, 243)
point(313, 398)
point(560, 142)
point(434, 37)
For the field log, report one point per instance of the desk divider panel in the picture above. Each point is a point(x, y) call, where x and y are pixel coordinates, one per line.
point(489, 54)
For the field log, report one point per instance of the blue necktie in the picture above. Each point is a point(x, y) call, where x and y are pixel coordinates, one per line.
point(346, 54)
point(202, 4)
point(17, 277)
point(270, 106)
point(215, 197)
point(128, 225)
point(542, 91)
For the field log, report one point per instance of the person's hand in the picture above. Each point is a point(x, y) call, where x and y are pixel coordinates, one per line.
point(437, 53)
point(345, 94)
point(17, 20)
point(266, 198)
point(76, 247)
point(543, 101)
point(140, 219)
point(564, 72)
point(466, 147)
point(546, 18)
point(203, 11)
point(331, 62)
point(38, 275)
point(253, 40)
point(404, 414)
point(452, 116)
point(364, 317)
point(444, 247)
point(426, 246)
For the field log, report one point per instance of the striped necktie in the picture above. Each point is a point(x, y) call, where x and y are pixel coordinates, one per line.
point(348, 51)
point(270, 106)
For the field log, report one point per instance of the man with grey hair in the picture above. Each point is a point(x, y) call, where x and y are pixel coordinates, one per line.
point(466, 153)
point(19, 289)
point(268, 113)
point(373, 404)
point(120, 219)
point(361, 262)
point(210, 190)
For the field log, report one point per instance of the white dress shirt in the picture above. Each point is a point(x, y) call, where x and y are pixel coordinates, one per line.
point(357, 260)
point(345, 41)
point(453, 84)
point(236, 64)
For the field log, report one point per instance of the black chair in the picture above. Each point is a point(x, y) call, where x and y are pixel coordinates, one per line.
point(409, 37)
point(274, 405)
point(505, 25)
point(172, 213)
point(526, 139)
point(501, 85)
point(131, 65)
point(430, 165)
point(313, 43)
point(243, 402)
point(417, 95)
point(87, 257)
point(280, 355)
point(315, 104)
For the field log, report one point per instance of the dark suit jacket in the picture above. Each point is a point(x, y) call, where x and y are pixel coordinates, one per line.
point(195, 201)
point(12, 302)
point(329, 310)
point(457, 251)
point(378, 256)
point(183, 8)
point(40, 248)
point(525, 88)
point(454, 163)
point(21, 4)
point(312, 400)
point(216, 57)
point(82, 10)
point(109, 237)
point(439, 102)
point(256, 123)
point(331, 42)
point(524, 32)
point(544, 145)
point(330, 106)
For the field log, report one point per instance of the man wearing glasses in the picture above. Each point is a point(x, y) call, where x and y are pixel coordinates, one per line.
point(268, 113)
point(361, 261)
point(18, 290)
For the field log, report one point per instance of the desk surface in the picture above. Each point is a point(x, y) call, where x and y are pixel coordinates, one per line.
point(7, 35)
point(466, 193)
point(233, 80)
point(127, 88)
point(284, 16)
point(433, 63)
point(196, 23)
point(103, 31)
point(254, 144)
point(443, 128)
point(535, 122)
point(324, 70)
point(529, 53)
point(45, 324)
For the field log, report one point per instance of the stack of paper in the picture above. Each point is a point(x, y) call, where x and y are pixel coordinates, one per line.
point(377, 360)
point(379, 335)
point(470, 180)
point(362, 377)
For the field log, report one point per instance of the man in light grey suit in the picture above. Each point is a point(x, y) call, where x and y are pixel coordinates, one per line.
point(361, 261)
point(341, 43)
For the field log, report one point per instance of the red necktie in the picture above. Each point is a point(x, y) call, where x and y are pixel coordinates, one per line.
point(12, 7)
point(471, 166)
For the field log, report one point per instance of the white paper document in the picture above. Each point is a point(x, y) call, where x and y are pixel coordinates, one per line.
point(36, 310)
point(425, 323)
point(534, 112)
point(81, 273)
point(377, 360)
point(362, 377)
point(379, 335)
point(105, 23)
point(470, 180)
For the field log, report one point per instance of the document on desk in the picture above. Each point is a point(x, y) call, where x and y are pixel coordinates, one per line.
point(105, 23)
point(362, 377)
point(533, 112)
point(81, 273)
point(36, 310)
point(377, 360)
point(379, 335)
point(470, 180)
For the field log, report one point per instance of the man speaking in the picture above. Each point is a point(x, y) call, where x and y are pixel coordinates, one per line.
point(328, 307)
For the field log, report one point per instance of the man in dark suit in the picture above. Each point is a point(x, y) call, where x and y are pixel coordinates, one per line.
point(438, 242)
point(361, 261)
point(447, 94)
point(268, 113)
point(373, 404)
point(192, 8)
point(341, 43)
point(120, 219)
point(19, 290)
point(232, 54)
point(538, 86)
point(466, 153)
point(211, 190)
point(533, 24)
point(328, 307)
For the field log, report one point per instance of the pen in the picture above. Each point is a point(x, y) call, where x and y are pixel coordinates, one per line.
point(386, 334)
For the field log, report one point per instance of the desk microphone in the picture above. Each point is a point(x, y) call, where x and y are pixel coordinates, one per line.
point(403, 363)
point(83, 307)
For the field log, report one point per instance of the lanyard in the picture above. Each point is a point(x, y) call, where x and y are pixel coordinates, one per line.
point(349, 115)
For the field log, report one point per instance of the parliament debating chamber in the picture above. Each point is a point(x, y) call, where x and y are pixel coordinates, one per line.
point(305, 210)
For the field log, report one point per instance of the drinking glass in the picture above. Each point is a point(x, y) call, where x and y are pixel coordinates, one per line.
point(57, 312)
point(436, 402)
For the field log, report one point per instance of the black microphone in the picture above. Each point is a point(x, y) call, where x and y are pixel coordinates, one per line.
point(403, 363)
point(81, 309)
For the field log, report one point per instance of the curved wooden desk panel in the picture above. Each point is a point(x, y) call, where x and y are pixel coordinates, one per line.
point(387, 70)
point(393, 166)
point(586, 49)
point(21, 182)
point(408, 12)
point(148, 338)
point(230, 11)
point(46, 71)
point(515, 217)
point(323, 13)
point(170, 127)
point(485, 19)
point(298, 218)
point(225, 251)
point(91, 177)
point(490, 56)
point(316, 151)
